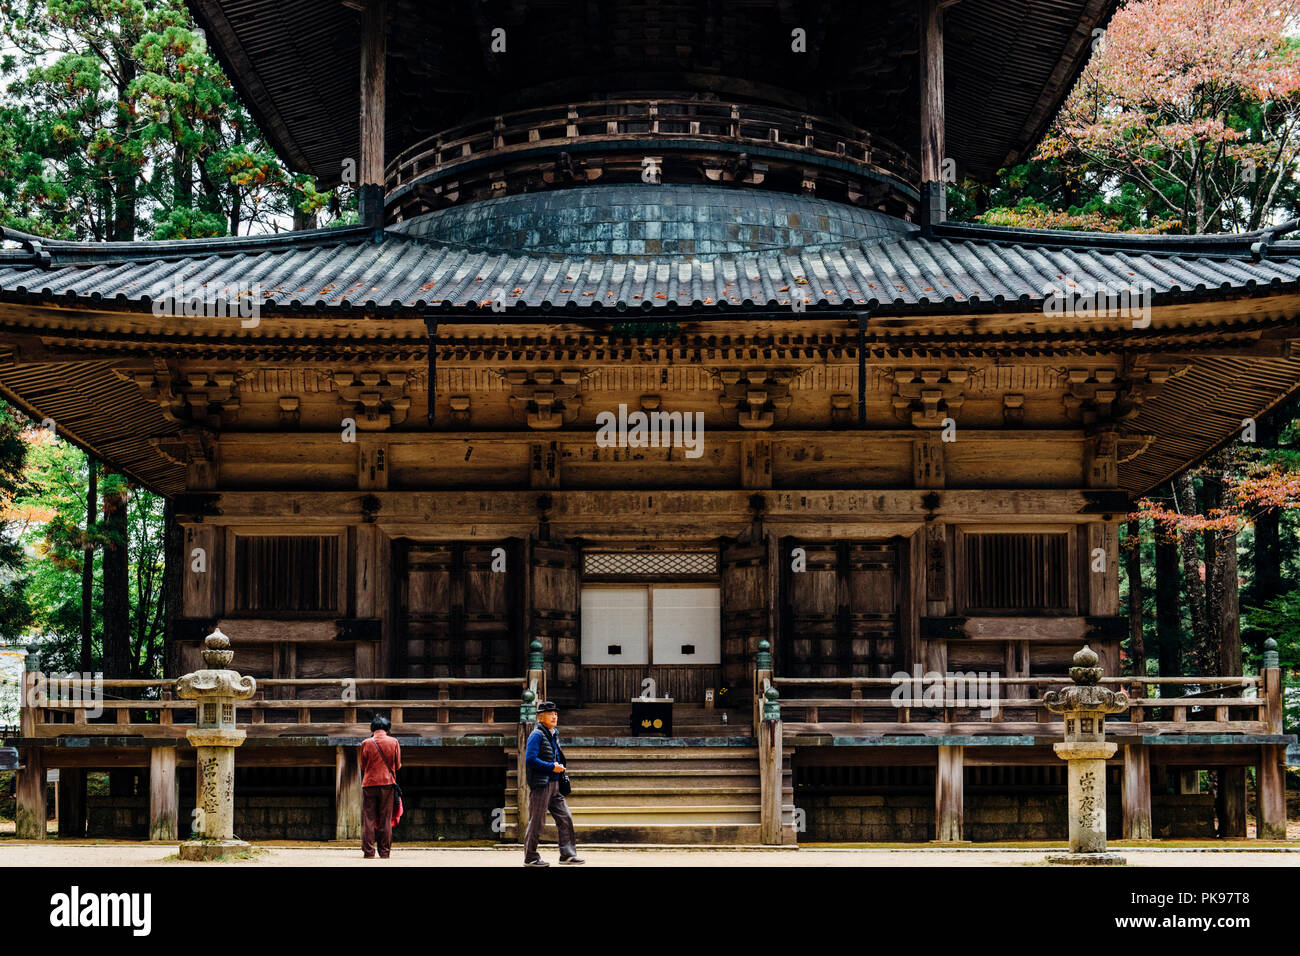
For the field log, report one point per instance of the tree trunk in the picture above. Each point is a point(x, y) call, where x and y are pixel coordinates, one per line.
point(1168, 619)
point(88, 567)
point(1137, 651)
point(303, 220)
point(124, 188)
point(117, 601)
point(1229, 660)
point(1185, 495)
point(1268, 545)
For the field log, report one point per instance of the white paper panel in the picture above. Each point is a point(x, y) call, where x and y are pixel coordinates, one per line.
point(687, 616)
point(615, 616)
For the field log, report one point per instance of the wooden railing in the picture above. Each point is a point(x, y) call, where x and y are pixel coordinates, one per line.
point(660, 120)
point(454, 706)
point(865, 706)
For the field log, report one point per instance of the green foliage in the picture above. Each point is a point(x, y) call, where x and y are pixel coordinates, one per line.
point(117, 121)
point(1280, 620)
point(15, 608)
point(49, 520)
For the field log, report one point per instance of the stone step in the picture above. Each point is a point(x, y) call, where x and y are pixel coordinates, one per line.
point(650, 753)
point(657, 779)
point(698, 813)
point(653, 833)
point(652, 800)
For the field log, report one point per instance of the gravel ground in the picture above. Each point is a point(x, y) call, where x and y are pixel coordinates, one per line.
point(61, 854)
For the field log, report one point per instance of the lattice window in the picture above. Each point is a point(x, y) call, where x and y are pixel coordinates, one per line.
point(286, 573)
point(659, 564)
point(1016, 572)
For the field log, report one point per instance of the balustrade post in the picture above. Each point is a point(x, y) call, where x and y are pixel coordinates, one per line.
point(527, 720)
point(1271, 776)
point(770, 769)
point(762, 679)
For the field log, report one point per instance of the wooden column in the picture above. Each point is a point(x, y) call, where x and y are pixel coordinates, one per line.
point(1272, 693)
point(1270, 786)
point(1232, 803)
point(770, 765)
point(933, 146)
point(374, 54)
point(521, 781)
point(1137, 792)
point(949, 795)
point(72, 802)
point(347, 793)
point(30, 820)
point(164, 794)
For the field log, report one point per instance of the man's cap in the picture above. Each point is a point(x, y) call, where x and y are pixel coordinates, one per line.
point(546, 705)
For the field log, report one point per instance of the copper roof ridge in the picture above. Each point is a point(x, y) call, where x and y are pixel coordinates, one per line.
point(186, 248)
point(1229, 245)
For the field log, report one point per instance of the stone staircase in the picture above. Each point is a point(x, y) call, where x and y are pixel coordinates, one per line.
point(700, 787)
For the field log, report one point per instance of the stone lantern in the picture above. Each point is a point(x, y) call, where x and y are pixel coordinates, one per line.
point(1084, 705)
point(215, 689)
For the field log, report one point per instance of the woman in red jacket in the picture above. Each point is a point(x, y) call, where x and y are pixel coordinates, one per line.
point(381, 758)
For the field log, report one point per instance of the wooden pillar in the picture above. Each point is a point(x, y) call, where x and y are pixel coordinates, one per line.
point(1232, 803)
point(770, 766)
point(1270, 793)
point(347, 793)
point(1137, 792)
point(30, 819)
point(374, 55)
point(1272, 691)
point(72, 802)
point(521, 781)
point(933, 146)
point(164, 794)
point(949, 795)
point(431, 326)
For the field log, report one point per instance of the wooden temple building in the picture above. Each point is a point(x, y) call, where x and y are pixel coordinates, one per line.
point(391, 454)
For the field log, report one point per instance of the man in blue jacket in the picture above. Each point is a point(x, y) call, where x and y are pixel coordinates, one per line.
point(544, 764)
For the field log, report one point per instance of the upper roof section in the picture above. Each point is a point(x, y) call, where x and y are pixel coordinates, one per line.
point(1008, 64)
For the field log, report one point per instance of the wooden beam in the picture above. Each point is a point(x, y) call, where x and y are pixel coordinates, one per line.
point(374, 55)
point(688, 508)
point(949, 795)
point(347, 793)
point(1271, 793)
point(30, 819)
point(72, 802)
point(521, 780)
point(374, 52)
point(1137, 792)
point(164, 794)
point(770, 765)
point(933, 123)
point(1232, 802)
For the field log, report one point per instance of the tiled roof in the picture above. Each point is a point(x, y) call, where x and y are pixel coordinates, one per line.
point(959, 268)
